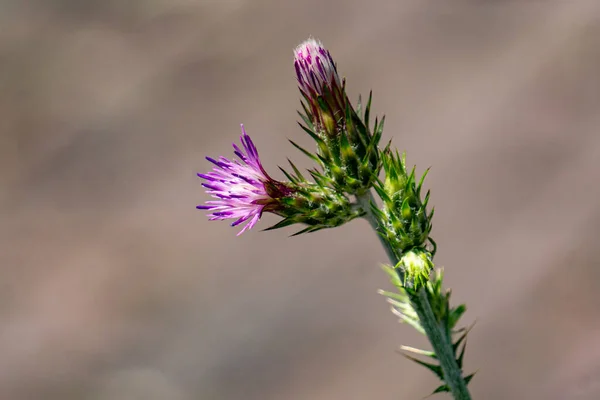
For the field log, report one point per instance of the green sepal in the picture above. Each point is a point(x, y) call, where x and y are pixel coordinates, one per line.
point(299, 176)
point(306, 152)
point(281, 224)
point(305, 118)
point(406, 222)
point(347, 151)
point(307, 230)
point(313, 135)
point(288, 175)
point(368, 109)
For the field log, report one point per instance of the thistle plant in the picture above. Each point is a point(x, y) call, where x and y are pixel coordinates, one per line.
point(349, 167)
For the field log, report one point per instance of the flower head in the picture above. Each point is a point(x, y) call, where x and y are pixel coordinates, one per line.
point(315, 68)
point(320, 85)
point(347, 149)
point(243, 189)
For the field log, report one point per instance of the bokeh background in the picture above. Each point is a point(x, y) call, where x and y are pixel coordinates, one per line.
point(112, 285)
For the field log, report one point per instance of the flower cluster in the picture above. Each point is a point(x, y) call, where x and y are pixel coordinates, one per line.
point(347, 154)
point(348, 165)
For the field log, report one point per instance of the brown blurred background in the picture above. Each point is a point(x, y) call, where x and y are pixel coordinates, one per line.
point(113, 286)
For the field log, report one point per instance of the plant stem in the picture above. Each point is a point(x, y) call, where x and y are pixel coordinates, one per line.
point(365, 201)
point(435, 332)
point(442, 346)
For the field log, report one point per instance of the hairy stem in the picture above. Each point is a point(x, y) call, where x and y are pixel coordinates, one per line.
point(435, 332)
point(365, 201)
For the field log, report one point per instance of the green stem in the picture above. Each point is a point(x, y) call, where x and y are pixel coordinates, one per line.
point(442, 346)
point(435, 332)
point(365, 201)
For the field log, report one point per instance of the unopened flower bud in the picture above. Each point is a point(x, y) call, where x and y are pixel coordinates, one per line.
point(417, 266)
point(315, 69)
point(406, 223)
point(346, 147)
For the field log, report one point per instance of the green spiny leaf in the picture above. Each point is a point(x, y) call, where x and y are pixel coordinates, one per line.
point(426, 353)
point(441, 389)
point(468, 378)
point(392, 295)
point(459, 360)
point(436, 369)
point(391, 271)
point(412, 322)
point(461, 339)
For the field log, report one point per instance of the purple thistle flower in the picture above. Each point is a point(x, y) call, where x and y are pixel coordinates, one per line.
point(243, 189)
point(315, 69)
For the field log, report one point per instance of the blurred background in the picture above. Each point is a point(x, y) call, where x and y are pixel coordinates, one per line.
point(113, 286)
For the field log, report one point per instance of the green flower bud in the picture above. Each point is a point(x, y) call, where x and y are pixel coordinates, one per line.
point(405, 222)
point(417, 265)
point(314, 204)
